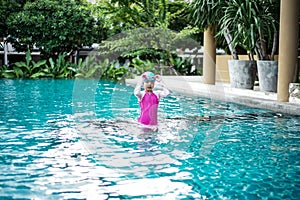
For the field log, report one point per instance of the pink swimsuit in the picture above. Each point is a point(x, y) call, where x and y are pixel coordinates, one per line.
point(149, 107)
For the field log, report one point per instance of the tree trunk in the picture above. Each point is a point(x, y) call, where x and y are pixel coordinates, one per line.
point(296, 79)
point(258, 51)
point(275, 43)
point(250, 55)
point(228, 38)
point(263, 46)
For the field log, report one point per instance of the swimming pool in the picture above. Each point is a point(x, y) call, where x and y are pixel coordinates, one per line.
point(77, 139)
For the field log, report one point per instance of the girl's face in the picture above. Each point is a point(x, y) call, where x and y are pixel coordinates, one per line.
point(148, 86)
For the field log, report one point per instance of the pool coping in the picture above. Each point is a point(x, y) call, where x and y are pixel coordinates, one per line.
point(193, 85)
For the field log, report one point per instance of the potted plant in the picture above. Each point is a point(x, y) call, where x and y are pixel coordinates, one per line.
point(266, 46)
point(238, 25)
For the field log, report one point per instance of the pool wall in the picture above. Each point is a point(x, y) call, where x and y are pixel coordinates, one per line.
point(192, 85)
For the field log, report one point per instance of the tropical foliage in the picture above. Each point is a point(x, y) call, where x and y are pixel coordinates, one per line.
point(268, 28)
point(240, 20)
point(207, 14)
point(134, 28)
point(7, 8)
point(250, 24)
point(161, 61)
point(52, 26)
point(159, 24)
point(59, 68)
point(91, 67)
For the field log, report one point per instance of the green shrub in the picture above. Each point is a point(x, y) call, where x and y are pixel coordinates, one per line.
point(58, 68)
point(25, 69)
point(158, 61)
point(90, 68)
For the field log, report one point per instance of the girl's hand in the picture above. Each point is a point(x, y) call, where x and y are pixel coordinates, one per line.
point(140, 80)
point(157, 78)
point(143, 76)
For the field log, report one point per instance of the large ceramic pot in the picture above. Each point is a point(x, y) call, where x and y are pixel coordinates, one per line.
point(242, 73)
point(267, 75)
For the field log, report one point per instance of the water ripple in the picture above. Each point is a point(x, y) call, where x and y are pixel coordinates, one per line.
point(53, 147)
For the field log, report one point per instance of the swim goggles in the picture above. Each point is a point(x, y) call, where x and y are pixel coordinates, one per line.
point(149, 79)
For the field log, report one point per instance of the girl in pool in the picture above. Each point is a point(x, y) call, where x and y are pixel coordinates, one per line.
point(149, 99)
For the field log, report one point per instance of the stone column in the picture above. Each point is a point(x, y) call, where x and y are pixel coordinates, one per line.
point(288, 44)
point(209, 57)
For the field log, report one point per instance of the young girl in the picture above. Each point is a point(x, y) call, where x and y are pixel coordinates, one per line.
point(149, 99)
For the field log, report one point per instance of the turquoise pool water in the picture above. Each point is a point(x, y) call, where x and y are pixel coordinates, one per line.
point(77, 139)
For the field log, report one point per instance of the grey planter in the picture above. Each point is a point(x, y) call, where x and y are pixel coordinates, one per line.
point(267, 75)
point(242, 73)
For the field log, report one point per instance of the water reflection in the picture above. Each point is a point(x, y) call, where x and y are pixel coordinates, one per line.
point(100, 152)
point(144, 165)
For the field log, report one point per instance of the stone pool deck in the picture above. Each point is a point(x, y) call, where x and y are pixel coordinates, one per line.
point(192, 85)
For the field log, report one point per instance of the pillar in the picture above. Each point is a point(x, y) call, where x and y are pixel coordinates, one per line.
point(209, 56)
point(288, 45)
